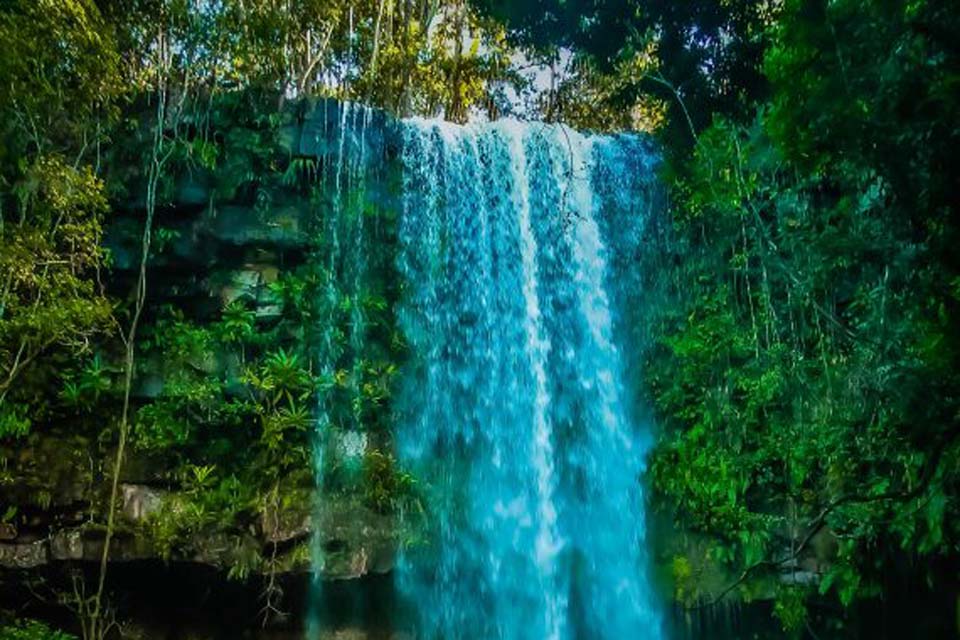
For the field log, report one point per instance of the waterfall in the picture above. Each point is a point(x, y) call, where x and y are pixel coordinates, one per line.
point(343, 174)
point(515, 408)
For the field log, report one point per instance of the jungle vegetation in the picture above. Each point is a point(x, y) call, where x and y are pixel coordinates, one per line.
point(803, 362)
point(805, 367)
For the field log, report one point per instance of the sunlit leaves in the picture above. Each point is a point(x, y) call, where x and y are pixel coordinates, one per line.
point(387, 487)
point(809, 343)
point(50, 256)
point(790, 608)
point(32, 630)
point(58, 75)
point(237, 323)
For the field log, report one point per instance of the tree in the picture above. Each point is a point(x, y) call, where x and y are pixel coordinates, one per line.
point(806, 372)
point(58, 80)
point(51, 305)
point(707, 54)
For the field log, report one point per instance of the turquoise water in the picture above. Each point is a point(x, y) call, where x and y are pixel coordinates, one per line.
point(516, 242)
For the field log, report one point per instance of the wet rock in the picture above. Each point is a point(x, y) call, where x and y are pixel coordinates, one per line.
point(24, 556)
point(192, 191)
point(150, 381)
point(225, 550)
point(284, 526)
point(52, 474)
point(250, 284)
point(143, 468)
point(800, 578)
point(279, 226)
point(67, 545)
point(346, 634)
point(269, 312)
point(140, 501)
point(352, 445)
point(243, 285)
point(124, 547)
point(357, 541)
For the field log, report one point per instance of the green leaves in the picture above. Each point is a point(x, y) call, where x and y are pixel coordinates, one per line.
point(50, 305)
point(13, 422)
point(32, 630)
point(790, 609)
point(844, 578)
point(199, 477)
point(387, 488)
point(277, 425)
point(283, 374)
point(84, 389)
point(805, 358)
point(237, 323)
point(58, 74)
point(206, 503)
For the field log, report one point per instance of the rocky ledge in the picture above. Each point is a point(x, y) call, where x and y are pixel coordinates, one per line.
point(58, 495)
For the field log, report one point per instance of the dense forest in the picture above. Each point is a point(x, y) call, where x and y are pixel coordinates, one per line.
point(801, 357)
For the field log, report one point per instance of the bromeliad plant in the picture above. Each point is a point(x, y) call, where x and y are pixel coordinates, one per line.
point(280, 386)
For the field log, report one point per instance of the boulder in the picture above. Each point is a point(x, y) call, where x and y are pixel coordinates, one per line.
point(25, 555)
point(140, 501)
point(8, 531)
point(800, 578)
point(243, 284)
point(356, 541)
point(279, 226)
point(67, 545)
point(284, 526)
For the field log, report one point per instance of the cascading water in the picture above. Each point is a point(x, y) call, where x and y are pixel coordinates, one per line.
point(342, 173)
point(514, 408)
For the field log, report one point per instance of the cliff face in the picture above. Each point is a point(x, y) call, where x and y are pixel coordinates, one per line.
point(221, 472)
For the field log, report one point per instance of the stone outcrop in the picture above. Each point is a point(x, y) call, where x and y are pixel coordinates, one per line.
point(226, 236)
point(356, 540)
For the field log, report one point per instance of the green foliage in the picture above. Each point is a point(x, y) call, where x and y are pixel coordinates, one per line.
point(790, 609)
point(443, 58)
point(13, 423)
point(806, 360)
point(32, 630)
point(706, 56)
point(237, 323)
point(206, 505)
point(83, 389)
point(418, 57)
point(58, 78)
point(281, 385)
point(387, 488)
point(281, 379)
point(683, 579)
point(50, 304)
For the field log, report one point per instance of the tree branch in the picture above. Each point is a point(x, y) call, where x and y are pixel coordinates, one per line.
point(817, 524)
